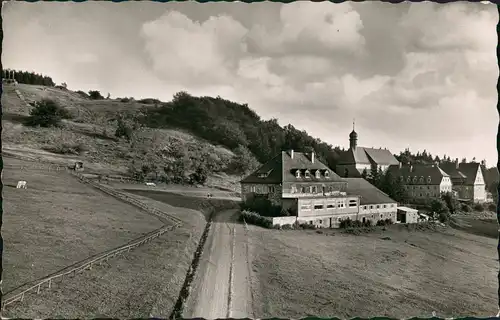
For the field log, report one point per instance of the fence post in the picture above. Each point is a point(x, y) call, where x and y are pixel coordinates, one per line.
point(38, 290)
point(50, 282)
point(22, 297)
point(90, 266)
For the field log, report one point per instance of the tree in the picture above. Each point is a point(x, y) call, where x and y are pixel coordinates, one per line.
point(439, 207)
point(47, 113)
point(451, 202)
point(123, 130)
point(95, 95)
point(199, 176)
point(364, 174)
point(243, 162)
point(393, 187)
point(375, 175)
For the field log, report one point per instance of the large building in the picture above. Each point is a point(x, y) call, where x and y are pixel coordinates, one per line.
point(313, 193)
point(468, 180)
point(356, 159)
point(422, 181)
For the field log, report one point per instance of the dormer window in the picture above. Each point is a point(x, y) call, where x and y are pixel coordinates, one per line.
point(414, 179)
point(429, 179)
point(421, 180)
point(408, 180)
point(307, 174)
point(297, 174)
point(318, 174)
point(327, 174)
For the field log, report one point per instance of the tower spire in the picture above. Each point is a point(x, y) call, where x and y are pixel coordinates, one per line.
point(353, 123)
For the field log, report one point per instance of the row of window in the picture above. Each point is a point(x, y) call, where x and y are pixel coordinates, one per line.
point(378, 206)
point(313, 189)
point(307, 174)
point(262, 189)
point(352, 203)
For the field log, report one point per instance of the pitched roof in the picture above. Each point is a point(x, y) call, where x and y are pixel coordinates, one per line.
point(465, 174)
point(364, 155)
point(419, 171)
point(368, 193)
point(282, 168)
point(470, 170)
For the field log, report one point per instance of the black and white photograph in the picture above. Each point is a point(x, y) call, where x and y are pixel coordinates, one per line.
point(249, 160)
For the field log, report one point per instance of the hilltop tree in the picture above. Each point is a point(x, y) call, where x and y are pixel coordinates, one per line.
point(95, 95)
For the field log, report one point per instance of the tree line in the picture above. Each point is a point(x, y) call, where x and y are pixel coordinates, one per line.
point(233, 125)
point(26, 77)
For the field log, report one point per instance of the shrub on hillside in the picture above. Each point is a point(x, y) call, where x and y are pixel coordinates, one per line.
point(263, 207)
point(198, 177)
point(451, 202)
point(47, 113)
point(95, 95)
point(306, 226)
point(384, 222)
point(256, 219)
point(492, 207)
point(125, 100)
point(83, 94)
point(123, 130)
point(478, 207)
point(149, 101)
point(438, 206)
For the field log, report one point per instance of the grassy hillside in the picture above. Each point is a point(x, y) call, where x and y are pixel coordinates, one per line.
point(90, 135)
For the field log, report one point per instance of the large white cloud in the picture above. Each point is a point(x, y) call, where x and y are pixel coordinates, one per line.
point(184, 51)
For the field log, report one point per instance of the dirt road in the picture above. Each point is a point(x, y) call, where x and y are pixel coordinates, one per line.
point(222, 287)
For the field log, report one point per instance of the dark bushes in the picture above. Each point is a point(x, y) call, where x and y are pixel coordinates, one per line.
point(492, 207)
point(264, 207)
point(479, 207)
point(47, 113)
point(255, 218)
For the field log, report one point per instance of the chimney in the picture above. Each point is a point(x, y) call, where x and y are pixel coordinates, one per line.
point(312, 156)
point(411, 168)
point(291, 153)
point(457, 165)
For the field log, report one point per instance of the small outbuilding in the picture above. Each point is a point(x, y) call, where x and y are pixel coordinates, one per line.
point(407, 215)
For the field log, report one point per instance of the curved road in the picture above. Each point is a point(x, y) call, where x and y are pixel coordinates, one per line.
point(222, 288)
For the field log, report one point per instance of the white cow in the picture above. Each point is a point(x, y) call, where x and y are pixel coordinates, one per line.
point(21, 184)
point(150, 184)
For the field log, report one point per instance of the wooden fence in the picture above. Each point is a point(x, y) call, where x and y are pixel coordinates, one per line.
point(87, 265)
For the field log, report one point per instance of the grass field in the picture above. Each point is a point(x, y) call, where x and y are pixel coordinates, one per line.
point(145, 282)
point(396, 273)
point(58, 221)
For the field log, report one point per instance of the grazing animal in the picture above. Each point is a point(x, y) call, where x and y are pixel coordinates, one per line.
point(150, 184)
point(21, 184)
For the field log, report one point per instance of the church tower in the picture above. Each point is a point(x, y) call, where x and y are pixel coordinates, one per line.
point(353, 138)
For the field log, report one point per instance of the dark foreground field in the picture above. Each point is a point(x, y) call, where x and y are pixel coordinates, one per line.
point(396, 273)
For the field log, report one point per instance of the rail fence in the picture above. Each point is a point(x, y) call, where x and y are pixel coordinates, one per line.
point(47, 282)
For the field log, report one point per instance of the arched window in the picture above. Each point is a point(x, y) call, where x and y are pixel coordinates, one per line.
point(414, 179)
point(297, 174)
point(318, 174)
point(327, 174)
point(429, 179)
point(307, 174)
point(421, 180)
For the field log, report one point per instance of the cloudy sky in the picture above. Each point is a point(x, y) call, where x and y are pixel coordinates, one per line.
point(419, 75)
